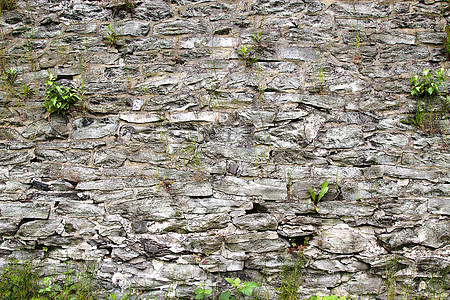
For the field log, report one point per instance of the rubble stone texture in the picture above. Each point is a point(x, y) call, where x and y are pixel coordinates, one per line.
point(184, 164)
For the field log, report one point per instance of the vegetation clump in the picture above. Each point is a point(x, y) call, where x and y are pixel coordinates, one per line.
point(111, 36)
point(323, 191)
point(18, 282)
point(426, 85)
point(10, 76)
point(240, 289)
point(248, 55)
point(426, 88)
point(7, 4)
point(59, 98)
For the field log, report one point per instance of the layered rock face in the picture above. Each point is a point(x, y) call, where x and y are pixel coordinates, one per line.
point(187, 161)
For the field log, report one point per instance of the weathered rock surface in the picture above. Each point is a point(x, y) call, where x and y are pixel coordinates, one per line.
point(188, 160)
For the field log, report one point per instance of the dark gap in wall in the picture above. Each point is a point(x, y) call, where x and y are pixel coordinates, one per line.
point(40, 185)
point(297, 243)
point(299, 240)
point(257, 209)
point(64, 76)
point(25, 220)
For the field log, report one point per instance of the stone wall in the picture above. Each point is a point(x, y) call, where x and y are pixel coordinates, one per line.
point(185, 163)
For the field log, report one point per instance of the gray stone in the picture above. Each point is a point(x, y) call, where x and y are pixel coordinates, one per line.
point(439, 206)
point(322, 280)
point(257, 243)
point(337, 208)
point(9, 133)
point(285, 83)
point(257, 222)
point(342, 137)
point(25, 210)
point(369, 9)
point(257, 118)
point(105, 88)
point(301, 207)
point(296, 231)
point(110, 157)
point(342, 239)
point(79, 209)
point(178, 27)
point(112, 196)
point(101, 185)
point(42, 130)
point(394, 39)
point(216, 263)
point(430, 38)
point(40, 228)
point(7, 158)
point(140, 118)
point(104, 58)
point(89, 128)
point(405, 206)
point(202, 244)
point(158, 85)
point(427, 190)
point(190, 224)
point(191, 189)
point(52, 145)
point(153, 10)
point(4, 173)
point(298, 53)
point(362, 283)
point(359, 158)
point(156, 209)
point(265, 189)
point(312, 126)
point(389, 141)
point(434, 234)
point(133, 28)
point(337, 173)
point(399, 172)
point(210, 117)
point(401, 53)
point(400, 237)
point(75, 157)
point(345, 265)
point(8, 226)
point(124, 254)
point(283, 7)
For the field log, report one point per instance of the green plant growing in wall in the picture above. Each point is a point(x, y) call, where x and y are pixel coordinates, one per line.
point(26, 91)
point(248, 55)
point(7, 4)
point(10, 76)
point(245, 288)
point(426, 85)
point(18, 281)
point(241, 289)
point(257, 41)
point(417, 120)
point(59, 98)
point(323, 191)
point(201, 293)
point(292, 275)
point(111, 36)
